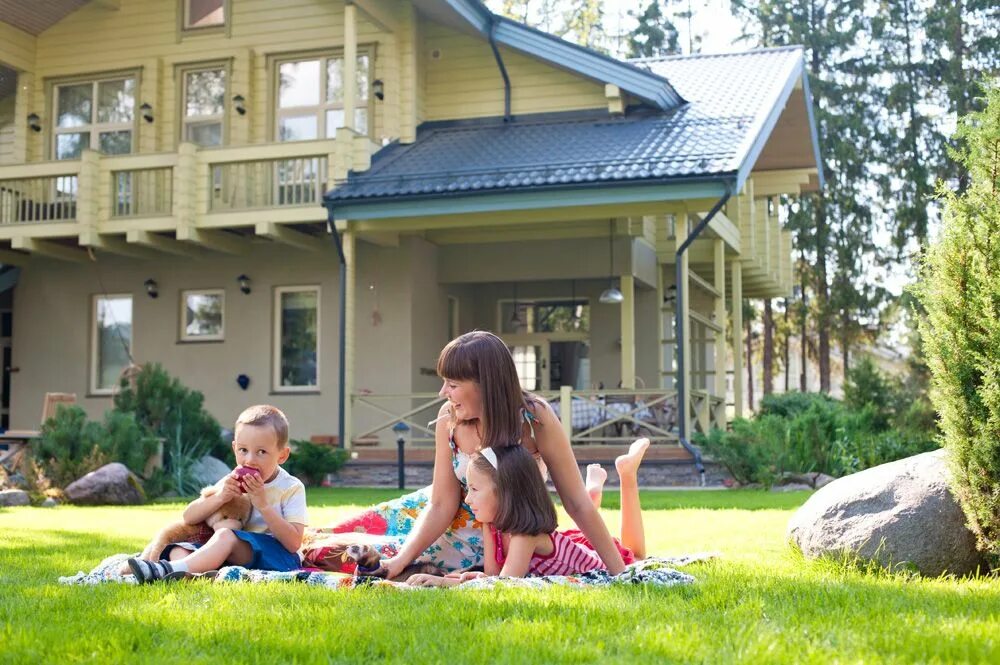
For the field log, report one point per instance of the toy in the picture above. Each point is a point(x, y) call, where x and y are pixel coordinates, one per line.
point(369, 564)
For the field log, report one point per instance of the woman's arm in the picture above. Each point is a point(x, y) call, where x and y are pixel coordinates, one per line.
point(440, 512)
point(490, 565)
point(554, 447)
point(519, 554)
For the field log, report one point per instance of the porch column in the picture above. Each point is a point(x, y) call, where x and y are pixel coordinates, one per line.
point(350, 63)
point(720, 336)
point(737, 335)
point(684, 298)
point(350, 254)
point(628, 331)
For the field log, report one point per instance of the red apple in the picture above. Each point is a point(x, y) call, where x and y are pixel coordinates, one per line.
point(245, 471)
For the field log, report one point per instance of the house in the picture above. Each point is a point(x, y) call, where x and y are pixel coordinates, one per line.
point(289, 202)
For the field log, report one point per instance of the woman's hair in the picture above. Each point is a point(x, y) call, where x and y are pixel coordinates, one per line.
point(483, 357)
point(524, 505)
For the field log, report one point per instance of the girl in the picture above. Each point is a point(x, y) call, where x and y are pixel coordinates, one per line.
point(508, 496)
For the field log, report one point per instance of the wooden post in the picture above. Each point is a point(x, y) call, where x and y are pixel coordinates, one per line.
point(628, 331)
point(684, 298)
point(566, 410)
point(350, 63)
point(350, 255)
point(720, 319)
point(737, 338)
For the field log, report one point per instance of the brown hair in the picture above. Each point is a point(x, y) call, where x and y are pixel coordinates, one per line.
point(524, 504)
point(483, 357)
point(264, 415)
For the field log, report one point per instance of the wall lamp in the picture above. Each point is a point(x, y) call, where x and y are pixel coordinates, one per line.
point(378, 88)
point(244, 284)
point(152, 288)
point(239, 103)
point(34, 122)
point(147, 112)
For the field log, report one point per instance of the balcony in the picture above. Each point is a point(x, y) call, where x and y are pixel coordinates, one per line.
point(100, 195)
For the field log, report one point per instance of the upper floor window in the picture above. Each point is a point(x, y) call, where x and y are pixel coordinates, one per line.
point(204, 106)
point(311, 98)
point(204, 14)
point(95, 114)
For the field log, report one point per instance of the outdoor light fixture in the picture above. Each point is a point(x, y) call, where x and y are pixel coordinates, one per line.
point(152, 288)
point(34, 122)
point(244, 284)
point(378, 89)
point(515, 318)
point(611, 295)
point(239, 104)
point(147, 112)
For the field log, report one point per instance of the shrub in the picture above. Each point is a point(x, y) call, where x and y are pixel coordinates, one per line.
point(310, 462)
point(960, 290)
point(792, 403)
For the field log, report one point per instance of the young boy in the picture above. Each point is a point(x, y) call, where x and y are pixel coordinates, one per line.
point(273, 534)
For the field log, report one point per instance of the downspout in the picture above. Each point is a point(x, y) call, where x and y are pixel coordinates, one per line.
point(679, 335)
point(503, 69)
point(343, 326)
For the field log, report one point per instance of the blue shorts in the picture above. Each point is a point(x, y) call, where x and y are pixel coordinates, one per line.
point(268, 552)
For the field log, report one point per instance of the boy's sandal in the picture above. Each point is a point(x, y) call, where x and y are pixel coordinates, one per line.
point(141, 574)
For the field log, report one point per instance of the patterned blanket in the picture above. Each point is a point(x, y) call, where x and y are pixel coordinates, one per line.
point(654, 571)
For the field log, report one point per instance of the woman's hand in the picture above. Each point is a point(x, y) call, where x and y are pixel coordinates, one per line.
point(431, 580)
point(392, 567)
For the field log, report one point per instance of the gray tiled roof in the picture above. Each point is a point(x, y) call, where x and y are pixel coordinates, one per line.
point(730, 96)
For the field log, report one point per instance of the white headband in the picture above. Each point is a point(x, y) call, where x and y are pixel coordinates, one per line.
point(490, 456)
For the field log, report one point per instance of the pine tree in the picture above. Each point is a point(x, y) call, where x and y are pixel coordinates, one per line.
point(655, 34)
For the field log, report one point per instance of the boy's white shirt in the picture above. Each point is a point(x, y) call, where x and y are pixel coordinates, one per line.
point(287, 495)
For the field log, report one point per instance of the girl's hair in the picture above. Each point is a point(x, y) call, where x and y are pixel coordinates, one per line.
point(524, 505)
point(483, 357)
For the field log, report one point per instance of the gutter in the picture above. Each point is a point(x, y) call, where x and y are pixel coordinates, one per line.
point(503, 69)
point(679, 334)
point(342, 398)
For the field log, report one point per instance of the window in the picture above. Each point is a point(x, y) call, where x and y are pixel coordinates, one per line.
point(311, 98)
point(551, 316)
point(95, 114)
point(296, 335)
point(111, 343)
point(204, 107)
point(202, 315)
point(204, 14)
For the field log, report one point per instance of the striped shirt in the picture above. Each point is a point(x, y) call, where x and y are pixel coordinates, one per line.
point(569, 556)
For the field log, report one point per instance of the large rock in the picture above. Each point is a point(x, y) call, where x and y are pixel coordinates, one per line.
point(208, 470)
point(898, 513)
point(112, 484)
point(14, 498)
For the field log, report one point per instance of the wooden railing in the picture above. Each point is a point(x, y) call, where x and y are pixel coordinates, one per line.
point(33, 193)
point(141, 185)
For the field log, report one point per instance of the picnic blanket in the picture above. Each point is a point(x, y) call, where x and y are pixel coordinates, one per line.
point(655, 571)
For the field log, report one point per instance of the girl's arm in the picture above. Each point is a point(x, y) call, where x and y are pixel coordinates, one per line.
point(519, 554)
point(490, 565)
point(440, 512)
point(558, 457)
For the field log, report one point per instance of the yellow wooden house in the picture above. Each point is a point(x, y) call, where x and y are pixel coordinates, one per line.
point(291, 202)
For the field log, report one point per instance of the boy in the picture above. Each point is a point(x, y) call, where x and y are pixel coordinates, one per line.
point(272, 535)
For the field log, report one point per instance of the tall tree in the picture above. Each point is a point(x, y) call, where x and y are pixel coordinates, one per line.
point(768, 350)
point(654, 35)
point(583, 23)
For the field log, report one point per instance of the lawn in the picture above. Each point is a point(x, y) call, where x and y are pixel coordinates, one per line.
point(757, 602)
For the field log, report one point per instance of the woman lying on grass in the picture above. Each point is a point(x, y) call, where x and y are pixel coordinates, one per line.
point(508, 496)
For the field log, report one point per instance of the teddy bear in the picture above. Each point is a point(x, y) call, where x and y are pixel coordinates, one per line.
point(369, 564)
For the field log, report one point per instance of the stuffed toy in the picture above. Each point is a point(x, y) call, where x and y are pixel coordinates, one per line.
point(369, 564)
point(232, 515)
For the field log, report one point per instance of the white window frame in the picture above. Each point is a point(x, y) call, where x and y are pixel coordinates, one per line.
point(276, 357)
point(321, 109)
point(186, 18)
point(95, 128)
point(95, 299)
point(184, 336)
point(221, 119)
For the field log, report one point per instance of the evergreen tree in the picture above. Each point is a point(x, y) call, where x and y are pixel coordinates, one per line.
point(655, 35)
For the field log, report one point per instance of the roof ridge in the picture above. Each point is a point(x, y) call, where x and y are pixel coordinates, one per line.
point(705, 56)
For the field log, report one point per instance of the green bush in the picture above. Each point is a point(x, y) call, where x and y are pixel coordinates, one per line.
point(792, 403)
point(310, 462)
point(960, 289)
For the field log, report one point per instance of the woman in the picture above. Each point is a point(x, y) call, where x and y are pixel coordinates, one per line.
point(485, 407)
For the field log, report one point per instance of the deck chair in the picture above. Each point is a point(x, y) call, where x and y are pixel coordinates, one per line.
point(52, 402)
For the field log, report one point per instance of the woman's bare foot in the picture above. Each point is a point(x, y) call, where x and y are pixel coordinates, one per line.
point(596, 477)
point(628, 464)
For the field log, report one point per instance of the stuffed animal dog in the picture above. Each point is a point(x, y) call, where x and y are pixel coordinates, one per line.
point(369, 564)
point(232, 515)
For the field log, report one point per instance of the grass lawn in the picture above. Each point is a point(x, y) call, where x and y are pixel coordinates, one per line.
point(757, 602)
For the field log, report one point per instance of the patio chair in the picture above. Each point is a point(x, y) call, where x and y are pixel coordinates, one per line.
point(52, 402)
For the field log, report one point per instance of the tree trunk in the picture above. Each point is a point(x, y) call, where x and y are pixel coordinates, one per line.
point(768, 348)
point(845, 341)
point(749, 326)
point(788, 334)
point(822, 291)
point(803, 384)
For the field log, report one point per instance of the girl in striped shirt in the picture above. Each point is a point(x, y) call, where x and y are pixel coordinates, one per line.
point(508, 496)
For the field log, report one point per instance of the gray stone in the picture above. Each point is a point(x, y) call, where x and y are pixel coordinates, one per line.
point(208, 470)
point(791, 487)
point(9, 498)
point(49, 502)
point(822, 480)
point(112, 484)
point(900, 513)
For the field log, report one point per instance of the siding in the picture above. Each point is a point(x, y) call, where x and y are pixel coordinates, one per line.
point(17, 48)
point(7, 129)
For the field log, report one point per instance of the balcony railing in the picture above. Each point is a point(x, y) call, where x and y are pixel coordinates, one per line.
point(35, 193)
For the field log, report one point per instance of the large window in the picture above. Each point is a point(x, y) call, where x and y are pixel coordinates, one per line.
point(202, 315)
point(311, 98)
point(296, 338)
point(552, 316)
point(204, 14)
point(111, 341)
point(204, 107)
point(99, 115)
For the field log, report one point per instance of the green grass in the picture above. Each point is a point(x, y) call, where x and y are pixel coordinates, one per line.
point(757, 602)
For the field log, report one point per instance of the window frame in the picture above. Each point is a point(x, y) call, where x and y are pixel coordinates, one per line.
point(194, 339)
point(94, 371)
point(320, 109)
point(94, 128)
point(276, 386)
point(181, 75)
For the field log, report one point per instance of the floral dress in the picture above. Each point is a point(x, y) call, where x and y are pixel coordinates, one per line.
point(388, 524)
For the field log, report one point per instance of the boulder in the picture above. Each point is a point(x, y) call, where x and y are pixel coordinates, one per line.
point(49, 502)
point(112, 484)
point(898, 514)
point(10, 498)
point(208, 470)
